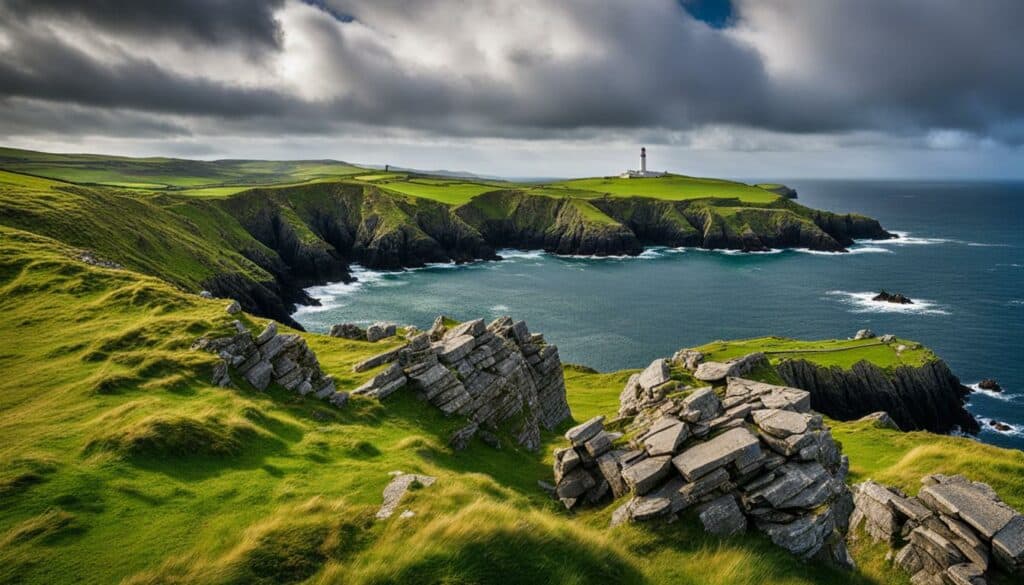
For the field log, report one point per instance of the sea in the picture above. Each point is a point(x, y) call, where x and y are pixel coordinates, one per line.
point(960, 257)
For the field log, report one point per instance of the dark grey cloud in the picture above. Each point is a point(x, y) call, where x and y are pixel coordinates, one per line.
point(213, 22)
point(574, 69)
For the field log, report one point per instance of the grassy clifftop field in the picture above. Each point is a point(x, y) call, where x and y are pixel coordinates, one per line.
point(121, 462)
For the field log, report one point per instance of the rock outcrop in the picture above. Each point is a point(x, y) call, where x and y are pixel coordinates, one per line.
point(494, 375)
point(888, 297)
point(269, 357)
point(395, 491)
point(928, 397)
point(718, 371)
point(757, 456)
point(348, 331)
point(951, 533)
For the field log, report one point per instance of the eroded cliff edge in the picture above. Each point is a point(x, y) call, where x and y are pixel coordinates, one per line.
point(928, 397)
point(311, 234)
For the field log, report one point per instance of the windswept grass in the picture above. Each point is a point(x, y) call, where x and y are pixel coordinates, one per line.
point(829, 352)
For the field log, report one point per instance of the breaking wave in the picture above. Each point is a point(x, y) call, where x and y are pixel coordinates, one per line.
point(1014, 430)
point(860, 302)
point(1003, 396)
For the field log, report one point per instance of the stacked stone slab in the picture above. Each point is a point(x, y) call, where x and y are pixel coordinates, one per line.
point(717, 371)
point(268, 358)
point(951, 533)
point(756, 457)
point(488, 373)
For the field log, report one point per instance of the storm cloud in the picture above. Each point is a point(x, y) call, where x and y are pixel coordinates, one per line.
point(920, 74)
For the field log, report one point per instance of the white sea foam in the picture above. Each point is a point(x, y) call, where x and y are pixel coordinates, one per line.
point(1003, 396)
point(906, 239)
point(856, 249)
point(499, 309)
point(860, 302)
point(513, 254)
point(330, 295)
point(1015, 430)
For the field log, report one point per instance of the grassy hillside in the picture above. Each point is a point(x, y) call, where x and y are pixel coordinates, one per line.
point(160, 173)
point(830, 352)
point(120, 462)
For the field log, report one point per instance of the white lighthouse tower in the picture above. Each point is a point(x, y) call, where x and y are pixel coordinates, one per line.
point(643, 173)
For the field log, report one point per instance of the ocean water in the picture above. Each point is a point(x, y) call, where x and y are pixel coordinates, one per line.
point(961, 259)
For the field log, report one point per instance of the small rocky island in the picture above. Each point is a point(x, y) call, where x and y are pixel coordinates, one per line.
point(888, 297)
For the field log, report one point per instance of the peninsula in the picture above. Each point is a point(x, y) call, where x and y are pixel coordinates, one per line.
point(262, 231)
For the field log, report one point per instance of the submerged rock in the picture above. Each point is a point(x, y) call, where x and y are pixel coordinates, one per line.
point(990, 385)
point(887, 297)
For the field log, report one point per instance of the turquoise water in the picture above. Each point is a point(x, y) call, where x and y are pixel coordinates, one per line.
point(961, 259)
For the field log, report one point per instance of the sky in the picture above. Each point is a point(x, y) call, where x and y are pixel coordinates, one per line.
point(528, 88)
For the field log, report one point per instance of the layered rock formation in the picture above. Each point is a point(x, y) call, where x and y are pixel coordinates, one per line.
point(757, 457)
point(494, 375)
point(953, 532)
point(928, 397)
point(284, 359)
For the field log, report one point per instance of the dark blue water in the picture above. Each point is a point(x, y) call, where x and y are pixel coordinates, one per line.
point(962, 260)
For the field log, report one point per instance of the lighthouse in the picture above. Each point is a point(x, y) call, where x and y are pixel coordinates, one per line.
point(643, 173)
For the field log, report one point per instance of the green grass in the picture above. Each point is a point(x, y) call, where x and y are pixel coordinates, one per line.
point(122, 462)
point(448, 192)
point(830, 352)
point(167, 173)
point(671, 187)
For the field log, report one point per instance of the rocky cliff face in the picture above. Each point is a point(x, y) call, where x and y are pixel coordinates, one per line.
point(929, 397)
point(496, 376)
point(310, 234)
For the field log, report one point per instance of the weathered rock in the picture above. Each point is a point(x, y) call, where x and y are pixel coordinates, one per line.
point(460, 439)
point(970, 503)
point(703, 401)
point(645, 475)
point(233, 308)
point(990, 385)
point(723, 517)
point(396, 489)
point(206, 294)
point(881, 419)
point(887, 297)
point(1008, 545)
point(348, 331)
point(575, 483)
point(665, 437)
point(688, 358)
point(583, 432)
point(864, 334)
point(952, 528)
point(654, 375)
point(718, 371)
point(380, 330)
point(737, 446)
point(783, 423)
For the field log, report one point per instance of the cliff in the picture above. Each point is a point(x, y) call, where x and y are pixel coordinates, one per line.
point(264, 246)
point(929, 397)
